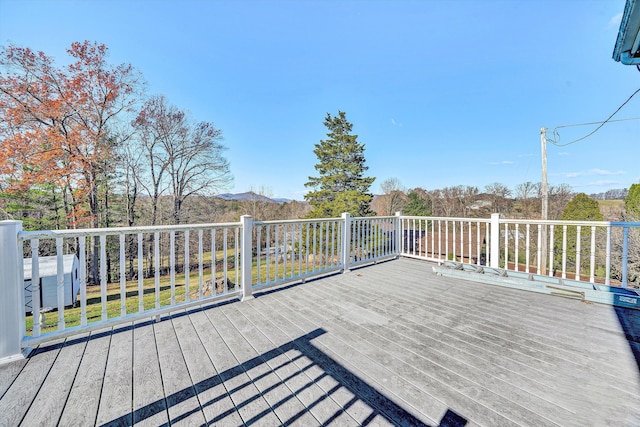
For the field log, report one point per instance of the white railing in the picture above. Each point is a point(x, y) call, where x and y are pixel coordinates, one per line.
point(125, 268)
point(440, 239)
point(124, 274)
point(285, 251)
point(292, 250)
point(589, 251)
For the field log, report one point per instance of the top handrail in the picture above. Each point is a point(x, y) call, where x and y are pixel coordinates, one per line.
point(47, 234)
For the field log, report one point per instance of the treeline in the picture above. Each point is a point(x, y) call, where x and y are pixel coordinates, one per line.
point(614, 194)
point(525, 201)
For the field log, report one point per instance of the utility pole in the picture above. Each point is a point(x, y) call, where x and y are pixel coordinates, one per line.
point(545, 202)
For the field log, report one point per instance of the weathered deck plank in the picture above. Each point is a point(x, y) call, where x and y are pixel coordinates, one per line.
point(429, 370)
point(217, 406)
point(182, 401)
point(348, 401)
point(309, 405)
point(248, 400)
point(8, 373)
point(281, 400)
point(149, 405)
point(117, 388)
point(18, 398)
point(390, 344)
point(81, 408)
point(371, 381)
point(58, 382)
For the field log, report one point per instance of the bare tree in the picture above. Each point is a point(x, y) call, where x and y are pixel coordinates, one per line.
point(156, 123)
point(196, 164)
point(500, 194)
point(559, 196)
point(393, 197)
point(467, 196)
point(527, 194)
point(259, 204)
point(183, 156)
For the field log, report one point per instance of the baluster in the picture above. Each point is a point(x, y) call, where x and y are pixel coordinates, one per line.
point(306, 244)
point(35, 287)
point(592, 256)
point(470, 243)
point(103, 276)
point(551, 247)
point(186, 268)
point(439, 240)
point(60, 283)
point(140, 274)
point(200, 261)
point(454, 257)
point(225, 259)
point(578, 251)
point(236, 263)
point(172, 265)
point(564, 251)
point(607, 280)
point(527, 247)
point(123, 279)
point(268, 256)
point(506, 246)
point(315, 245)
point(625, 255)
point(478, 243)
point(539, 249)
point(156, 266)
point(284, 244)
point(276, 230)
point(213, 262)
point(82, 267)
point(446, 242)
point(516, 252)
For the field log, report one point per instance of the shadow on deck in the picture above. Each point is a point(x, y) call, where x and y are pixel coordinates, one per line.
point(383, 408)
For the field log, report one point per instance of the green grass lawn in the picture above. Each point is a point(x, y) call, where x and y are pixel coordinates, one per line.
point(114, 298)
point(131, 298)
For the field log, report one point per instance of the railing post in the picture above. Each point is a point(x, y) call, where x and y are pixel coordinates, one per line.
point(246, 256)
point(346, 241)
point(398, 237)
point(11, 295)
point(494, 256)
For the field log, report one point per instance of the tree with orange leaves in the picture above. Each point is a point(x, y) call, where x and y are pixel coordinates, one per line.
point(57, 124)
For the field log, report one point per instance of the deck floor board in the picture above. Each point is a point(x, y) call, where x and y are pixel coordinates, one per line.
point(387, 344)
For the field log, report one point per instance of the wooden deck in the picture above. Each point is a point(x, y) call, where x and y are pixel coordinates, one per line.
point(390, 344)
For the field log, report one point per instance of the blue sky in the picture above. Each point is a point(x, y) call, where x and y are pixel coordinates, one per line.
point(441, 93)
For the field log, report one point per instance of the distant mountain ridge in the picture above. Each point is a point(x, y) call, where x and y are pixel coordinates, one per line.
point(251, 196)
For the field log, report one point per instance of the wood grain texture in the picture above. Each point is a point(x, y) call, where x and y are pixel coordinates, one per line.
point(81, 408)
point(58, 383)
point(117, 388)
point(388, 344)
point(19, 397)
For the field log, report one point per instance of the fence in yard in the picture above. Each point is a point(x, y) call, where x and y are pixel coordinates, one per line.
point(126, 274)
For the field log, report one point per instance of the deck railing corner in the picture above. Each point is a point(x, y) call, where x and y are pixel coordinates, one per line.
point(11, 298)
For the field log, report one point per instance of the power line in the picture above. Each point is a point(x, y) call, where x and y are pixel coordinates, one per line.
point(556, 135)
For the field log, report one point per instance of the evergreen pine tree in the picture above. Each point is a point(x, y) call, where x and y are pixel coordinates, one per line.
point(416, 205)
point(341, 185)
point(580, 208)
point(632, 203)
